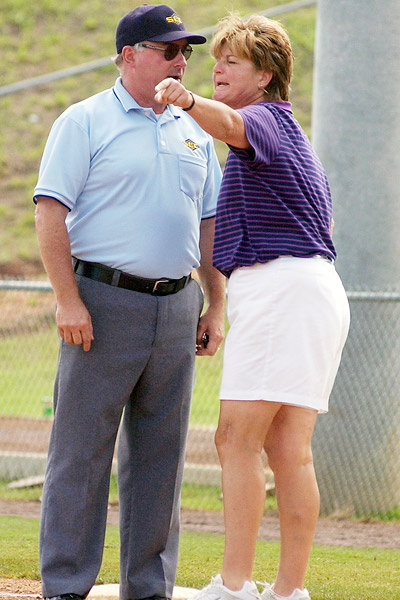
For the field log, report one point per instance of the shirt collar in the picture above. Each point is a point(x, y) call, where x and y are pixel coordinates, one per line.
point(283, 104)
point(129, 103)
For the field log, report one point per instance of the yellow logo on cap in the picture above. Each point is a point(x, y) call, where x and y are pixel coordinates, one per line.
point(174, 19)
point(190, 144)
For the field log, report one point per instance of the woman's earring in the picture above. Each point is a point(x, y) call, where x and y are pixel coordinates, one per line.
point(265, 91)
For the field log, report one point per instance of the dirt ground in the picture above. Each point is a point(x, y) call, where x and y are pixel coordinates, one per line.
point(330, 531)
point(10, 589)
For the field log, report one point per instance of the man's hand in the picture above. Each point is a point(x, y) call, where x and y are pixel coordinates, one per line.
point(210, 333)
point(75, 324)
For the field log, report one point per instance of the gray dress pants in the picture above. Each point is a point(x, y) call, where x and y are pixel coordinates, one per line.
point(140, 368)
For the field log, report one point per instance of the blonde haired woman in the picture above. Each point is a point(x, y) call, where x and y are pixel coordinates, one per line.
point(287, 309)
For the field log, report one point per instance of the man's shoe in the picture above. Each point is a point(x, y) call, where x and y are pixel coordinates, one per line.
point(269, 594)
point(66, 597)
point(216, 590)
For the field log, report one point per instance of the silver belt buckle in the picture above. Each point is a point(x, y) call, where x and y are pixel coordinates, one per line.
point(156, 284)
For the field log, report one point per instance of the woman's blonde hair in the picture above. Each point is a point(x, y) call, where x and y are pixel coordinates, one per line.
point(264, 42)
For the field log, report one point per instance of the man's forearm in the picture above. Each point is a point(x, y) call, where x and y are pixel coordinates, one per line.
point(55, 247)
point(73, 319)
point(214, 286)
point(212, 281)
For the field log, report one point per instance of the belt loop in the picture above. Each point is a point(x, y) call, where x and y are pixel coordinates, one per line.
point(115, 277)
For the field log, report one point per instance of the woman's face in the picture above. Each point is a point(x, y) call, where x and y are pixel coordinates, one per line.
point(236, 81)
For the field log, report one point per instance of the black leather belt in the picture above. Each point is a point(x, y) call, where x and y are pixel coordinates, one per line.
point(104, 274)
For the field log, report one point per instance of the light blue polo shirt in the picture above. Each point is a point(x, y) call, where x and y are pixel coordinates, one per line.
point(136, 184)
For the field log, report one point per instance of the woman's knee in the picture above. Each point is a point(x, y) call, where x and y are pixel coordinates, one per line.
point(224, 439)
point(231, 439)
point(288, 455)
point(242, 427)
point(288, 442)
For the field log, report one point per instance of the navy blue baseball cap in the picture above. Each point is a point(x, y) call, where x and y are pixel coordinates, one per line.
point(154, 23)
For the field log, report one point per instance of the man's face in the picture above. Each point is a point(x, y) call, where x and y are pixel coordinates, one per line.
point(152, 63)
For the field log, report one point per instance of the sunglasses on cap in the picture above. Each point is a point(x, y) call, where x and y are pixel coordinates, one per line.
point(171, 51)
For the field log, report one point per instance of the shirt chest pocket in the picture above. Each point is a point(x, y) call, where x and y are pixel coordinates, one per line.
point(192, 176)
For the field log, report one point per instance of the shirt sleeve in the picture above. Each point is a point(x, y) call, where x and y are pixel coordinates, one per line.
point(262, 132)
point(65, 163)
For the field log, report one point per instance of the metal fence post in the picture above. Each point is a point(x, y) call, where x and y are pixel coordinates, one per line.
point(356, 132)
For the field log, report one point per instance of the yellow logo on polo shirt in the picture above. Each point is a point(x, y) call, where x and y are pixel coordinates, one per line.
point(174, 19)
point(190, 144)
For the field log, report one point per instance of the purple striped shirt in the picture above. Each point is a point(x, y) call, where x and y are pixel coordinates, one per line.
point(274, 198)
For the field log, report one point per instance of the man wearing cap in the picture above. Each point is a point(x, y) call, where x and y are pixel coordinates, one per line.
point(125, 211)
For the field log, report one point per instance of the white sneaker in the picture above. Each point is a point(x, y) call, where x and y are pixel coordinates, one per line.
point(269, 594)
point(217, 591)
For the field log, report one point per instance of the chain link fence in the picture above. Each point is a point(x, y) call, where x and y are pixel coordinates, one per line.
point(28, 355)
point(356, 446)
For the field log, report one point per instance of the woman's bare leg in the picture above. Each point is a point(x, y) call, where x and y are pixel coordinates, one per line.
point(239, 439)
point(288, 446)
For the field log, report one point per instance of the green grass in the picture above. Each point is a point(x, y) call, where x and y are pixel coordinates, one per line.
point(196, 497)
point(28, 364)
point(48, 35)
point(335, 573)
point(205, 403)
point(193, 496)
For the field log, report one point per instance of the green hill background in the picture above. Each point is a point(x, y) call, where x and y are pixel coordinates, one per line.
point(48, 35)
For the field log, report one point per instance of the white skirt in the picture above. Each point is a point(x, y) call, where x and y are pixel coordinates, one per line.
point(289, 319)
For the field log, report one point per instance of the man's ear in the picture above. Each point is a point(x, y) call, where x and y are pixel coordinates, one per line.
point(128, 54)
